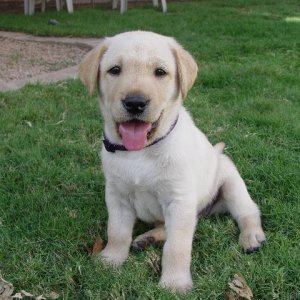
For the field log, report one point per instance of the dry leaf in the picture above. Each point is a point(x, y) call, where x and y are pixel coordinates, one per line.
point(53, 295)
point(239, 285)
point(230, 296)
point(73, 213)
point(40, 297)
point(17, 296)
point(6, 289)
point(153, 260)
point(24, 293)
point(98, 246)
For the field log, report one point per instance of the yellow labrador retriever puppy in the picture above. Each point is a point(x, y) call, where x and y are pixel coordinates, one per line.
point(159, 166)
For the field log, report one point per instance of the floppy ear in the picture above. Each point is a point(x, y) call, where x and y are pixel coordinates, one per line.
point(186, 69)
point(89, 67)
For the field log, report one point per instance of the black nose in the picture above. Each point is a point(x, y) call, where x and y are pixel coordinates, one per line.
point(135, 104)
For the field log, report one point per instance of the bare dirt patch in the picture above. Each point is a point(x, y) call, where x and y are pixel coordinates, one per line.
point(26, 59)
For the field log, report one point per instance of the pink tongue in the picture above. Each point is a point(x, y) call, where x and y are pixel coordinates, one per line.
point(134, 134)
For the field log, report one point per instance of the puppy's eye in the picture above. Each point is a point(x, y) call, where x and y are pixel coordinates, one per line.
point(115, 70)
point(159, 72)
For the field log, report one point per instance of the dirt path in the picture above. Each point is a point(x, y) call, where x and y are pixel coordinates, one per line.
point(26, 58)
point(23, 59)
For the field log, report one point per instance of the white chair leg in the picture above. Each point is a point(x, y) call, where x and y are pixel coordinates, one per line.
point(115, 4)
point(123, 6)
point(70, 6)
point(58, 6)
point(43, 5)
point(26, 7)
point(31, 7)
point(164, 5)
point(155, 2)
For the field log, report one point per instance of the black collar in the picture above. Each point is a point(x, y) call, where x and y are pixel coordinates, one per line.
point(111, 147)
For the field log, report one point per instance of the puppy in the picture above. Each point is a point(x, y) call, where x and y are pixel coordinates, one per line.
point(159, 166)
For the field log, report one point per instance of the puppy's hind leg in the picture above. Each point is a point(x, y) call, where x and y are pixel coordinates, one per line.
point(237, 201)
point(151, 237)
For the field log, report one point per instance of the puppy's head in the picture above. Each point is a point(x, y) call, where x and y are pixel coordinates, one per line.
point(142, 78)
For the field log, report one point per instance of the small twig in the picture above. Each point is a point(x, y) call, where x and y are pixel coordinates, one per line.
point(60, 121)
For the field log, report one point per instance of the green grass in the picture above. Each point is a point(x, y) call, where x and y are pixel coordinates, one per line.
point(247, 94)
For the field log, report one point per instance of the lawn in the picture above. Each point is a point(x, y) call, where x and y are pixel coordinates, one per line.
point(247, 95)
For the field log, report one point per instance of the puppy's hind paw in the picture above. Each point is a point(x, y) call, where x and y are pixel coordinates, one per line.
point(154, 237)
point(142, 244)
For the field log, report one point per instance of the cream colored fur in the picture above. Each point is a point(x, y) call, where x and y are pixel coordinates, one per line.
point(171, 181)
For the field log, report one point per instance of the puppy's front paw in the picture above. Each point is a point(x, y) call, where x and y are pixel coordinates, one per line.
point(177, 283)
point(112, 257)
point(252, 239)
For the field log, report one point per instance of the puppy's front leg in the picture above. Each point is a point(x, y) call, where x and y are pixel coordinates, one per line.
point(121, 219)
point(180, 222)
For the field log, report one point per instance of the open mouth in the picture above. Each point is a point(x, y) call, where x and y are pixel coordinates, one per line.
point(136, 133)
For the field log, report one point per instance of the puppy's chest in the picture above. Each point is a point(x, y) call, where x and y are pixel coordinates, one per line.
point(144, 198)
point(146, 205)
point(141, 182)
point(133, 169)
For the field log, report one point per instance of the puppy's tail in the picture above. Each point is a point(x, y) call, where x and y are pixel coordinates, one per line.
point(219, 147)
